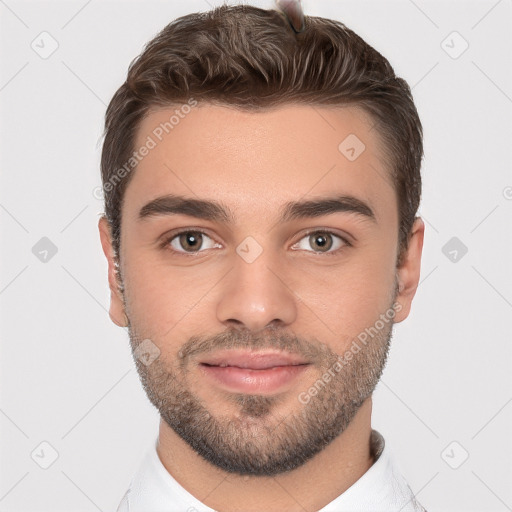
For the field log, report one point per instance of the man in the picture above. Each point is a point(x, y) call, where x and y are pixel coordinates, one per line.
point(261, 177)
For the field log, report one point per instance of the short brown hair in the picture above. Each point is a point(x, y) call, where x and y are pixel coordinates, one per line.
point(251, 58)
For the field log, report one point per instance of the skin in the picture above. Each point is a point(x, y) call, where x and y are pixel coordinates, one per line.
point(254, 163)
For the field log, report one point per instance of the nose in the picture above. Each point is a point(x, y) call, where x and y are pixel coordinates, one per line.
point(256, 296)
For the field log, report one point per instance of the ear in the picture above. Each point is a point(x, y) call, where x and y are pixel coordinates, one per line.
point(116, 311)
point(408, 274)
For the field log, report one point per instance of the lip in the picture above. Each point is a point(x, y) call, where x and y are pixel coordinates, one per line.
point(252, 360)
point(253, 372)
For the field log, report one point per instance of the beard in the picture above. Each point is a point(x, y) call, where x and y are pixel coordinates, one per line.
point(258, 439)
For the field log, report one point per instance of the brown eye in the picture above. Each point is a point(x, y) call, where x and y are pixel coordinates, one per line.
point(321, 242)
point(191, 241)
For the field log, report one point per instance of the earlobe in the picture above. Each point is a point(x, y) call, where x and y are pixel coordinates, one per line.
point(120, 320)
point(116, 311)
point(408, 274)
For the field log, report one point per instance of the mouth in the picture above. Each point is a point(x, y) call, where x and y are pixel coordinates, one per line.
point(252, 360)
point(251, 372)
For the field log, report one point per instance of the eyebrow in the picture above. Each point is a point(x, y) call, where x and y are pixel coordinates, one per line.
point(217, 212)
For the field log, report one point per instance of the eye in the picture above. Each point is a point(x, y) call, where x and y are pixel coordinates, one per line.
point(322, 242)
point(190, 241)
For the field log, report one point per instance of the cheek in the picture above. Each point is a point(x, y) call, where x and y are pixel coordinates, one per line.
point(349, 297)
point(334, 302)
point(164, 297)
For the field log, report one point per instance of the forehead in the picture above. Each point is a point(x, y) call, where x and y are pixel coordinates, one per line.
point(256, 161)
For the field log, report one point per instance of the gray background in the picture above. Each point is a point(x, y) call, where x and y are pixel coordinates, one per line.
point(67, 377)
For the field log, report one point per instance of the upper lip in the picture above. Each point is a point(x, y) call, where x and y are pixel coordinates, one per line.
point(253, 360)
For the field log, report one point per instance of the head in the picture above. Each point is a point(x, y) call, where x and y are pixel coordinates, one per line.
point(290, 163)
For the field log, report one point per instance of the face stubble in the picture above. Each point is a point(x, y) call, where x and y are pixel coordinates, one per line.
point(258, 440)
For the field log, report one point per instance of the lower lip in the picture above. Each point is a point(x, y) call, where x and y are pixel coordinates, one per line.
point(245, 380)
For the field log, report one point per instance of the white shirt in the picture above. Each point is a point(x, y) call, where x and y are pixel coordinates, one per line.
point(381, 489)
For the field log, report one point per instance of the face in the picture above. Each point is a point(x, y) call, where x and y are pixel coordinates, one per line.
point(258, 258)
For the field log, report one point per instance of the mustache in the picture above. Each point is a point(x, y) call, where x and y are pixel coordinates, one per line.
point(270, 338)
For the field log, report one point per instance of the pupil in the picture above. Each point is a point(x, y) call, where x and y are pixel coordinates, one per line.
point(190, 240)
point(321, 241)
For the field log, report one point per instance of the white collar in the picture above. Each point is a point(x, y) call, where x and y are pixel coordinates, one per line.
point(381, 489)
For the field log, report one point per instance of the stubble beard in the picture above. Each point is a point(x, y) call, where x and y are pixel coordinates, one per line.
point(259, 440)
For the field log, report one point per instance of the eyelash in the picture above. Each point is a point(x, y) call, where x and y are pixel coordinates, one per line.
point(166, 242)
point(327, 232)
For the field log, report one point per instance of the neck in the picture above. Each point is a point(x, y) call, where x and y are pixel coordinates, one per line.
point(309, 487)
